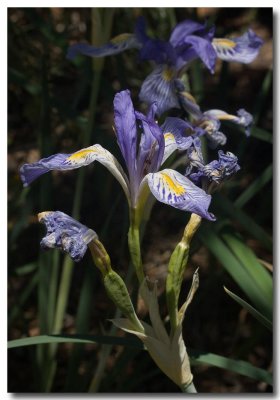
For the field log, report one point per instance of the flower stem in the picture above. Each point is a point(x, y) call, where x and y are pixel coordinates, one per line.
point(189, 388)
point(135, 246)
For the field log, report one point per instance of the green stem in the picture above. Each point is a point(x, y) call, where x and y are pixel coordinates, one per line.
point(189, 388)
point(135, 245)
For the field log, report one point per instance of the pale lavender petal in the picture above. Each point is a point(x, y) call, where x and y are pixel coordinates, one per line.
point(243, 49)
point(65, 233)
point(159, 87)
point(81, 158)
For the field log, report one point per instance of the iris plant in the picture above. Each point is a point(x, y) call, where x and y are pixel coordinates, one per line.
point(189, 40)
point(143, 163)
point(145, 146)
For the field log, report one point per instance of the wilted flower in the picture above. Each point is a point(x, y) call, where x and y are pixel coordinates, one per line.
point(65, 233)
point(216, 171)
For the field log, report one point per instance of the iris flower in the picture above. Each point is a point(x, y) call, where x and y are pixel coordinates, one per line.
point(210, 121)
point(189, 40)
point(143, 161)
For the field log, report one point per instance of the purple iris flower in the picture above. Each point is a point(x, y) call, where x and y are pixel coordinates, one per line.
point(189, 40)
point(210, 121)
point(65, 233)
point(216, 171)
point(145, 146)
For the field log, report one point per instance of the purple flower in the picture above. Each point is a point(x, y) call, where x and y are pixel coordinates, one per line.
point(189, 40)
point(145, 146)
point(210, 121)
point(65, 233)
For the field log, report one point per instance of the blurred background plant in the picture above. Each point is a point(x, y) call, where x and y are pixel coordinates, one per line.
point(55, 105)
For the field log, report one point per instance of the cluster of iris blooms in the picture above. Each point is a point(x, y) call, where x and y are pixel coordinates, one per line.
point(145, 146)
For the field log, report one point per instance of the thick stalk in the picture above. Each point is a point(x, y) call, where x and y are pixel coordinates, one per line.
point(135, 245)
point(189, 388)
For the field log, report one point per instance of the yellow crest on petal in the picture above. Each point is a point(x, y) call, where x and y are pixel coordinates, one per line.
point(121, 38)
point(224, 43)
point(174, 186)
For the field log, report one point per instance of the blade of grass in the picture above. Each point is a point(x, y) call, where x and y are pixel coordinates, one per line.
point(255, 187)
point(263, 320)
point(82, 325)
point(97, 339)
point(21, 300)
point(240, 367)
point(235, 268)
point(262, 96)
point(248, 223)
point(196, 356)
point(259, 276)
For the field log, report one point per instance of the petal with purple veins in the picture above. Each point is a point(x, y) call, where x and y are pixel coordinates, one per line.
point(170, 187)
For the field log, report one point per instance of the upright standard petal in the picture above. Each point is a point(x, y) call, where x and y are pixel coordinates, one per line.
point(81, 158)
point(151, 146)
point(125, 123)
point(159, 87)
point(197, 47)
point(117, 45)
point(243, 49)
point(170, 187)
point(65, 233)
point(188, 27)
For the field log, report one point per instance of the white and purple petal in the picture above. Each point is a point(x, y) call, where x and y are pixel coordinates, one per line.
point(170, 187)
point(243, 49)
point(81, 158)
point(243, 118)
point(66, 233)
point(159, 87)
point(177, 135)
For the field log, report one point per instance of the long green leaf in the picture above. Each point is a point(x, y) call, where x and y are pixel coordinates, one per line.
point(258, 274)
point(244, 220)
point(251, 309)
point(196, 356)
point(255, 187)
point(235, 268)
point(238, 366)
